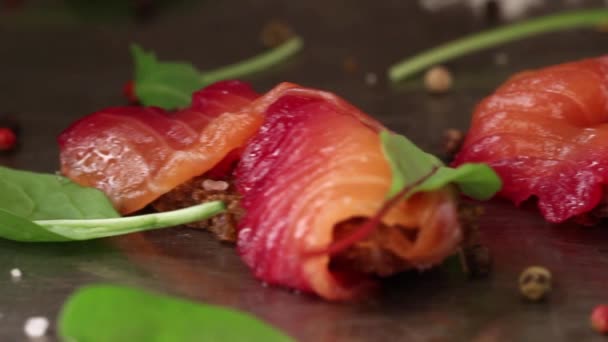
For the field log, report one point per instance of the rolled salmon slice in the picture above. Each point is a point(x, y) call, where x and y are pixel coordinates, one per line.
point(136, 154)
point(545, 132)
point(315, 167)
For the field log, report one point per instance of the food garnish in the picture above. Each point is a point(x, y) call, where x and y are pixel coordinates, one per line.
point(38, 207)
point(544, 132)
point(8, 139)
point(36, 327)
point(102, 313)
point(487, 39)
point(535, 283)
point(170, 85)
point(9, 133)
point(408, 162)
point(438, 80)
point(599, 319)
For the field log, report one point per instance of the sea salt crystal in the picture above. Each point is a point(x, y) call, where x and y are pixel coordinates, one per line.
point(36, 326)
point(16, 274)
point(211, 185)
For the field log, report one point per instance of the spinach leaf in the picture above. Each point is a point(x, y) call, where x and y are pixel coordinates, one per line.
point(409, 163)
point(38, 207)
point(170, 85)
point(38, 196)
point(111, 313)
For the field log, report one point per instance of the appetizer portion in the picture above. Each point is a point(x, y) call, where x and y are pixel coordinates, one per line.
point(311, 176)
point(544, 132)
point(136, 154)
point(318, 196)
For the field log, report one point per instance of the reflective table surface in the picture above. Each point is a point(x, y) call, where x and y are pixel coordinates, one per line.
point(60, 62)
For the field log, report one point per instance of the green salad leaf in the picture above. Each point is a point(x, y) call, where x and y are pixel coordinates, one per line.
point(167, 85)
point(121, 314)
point(38, 196)
point(37, 207)
point(170, 85)
point(409, 163)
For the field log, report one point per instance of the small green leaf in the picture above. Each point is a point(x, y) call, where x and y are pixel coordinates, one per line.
point(36, 207)
point(17, 228)
point(409, 163)
point(164, 84)
point(38, 196)
point(104, 313)
point(99, 228)
point(170, 85)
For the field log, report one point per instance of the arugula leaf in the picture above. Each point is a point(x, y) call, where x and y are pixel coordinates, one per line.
point(127, 314)
point(409, 163)
point(170, 85)
point(38, 207)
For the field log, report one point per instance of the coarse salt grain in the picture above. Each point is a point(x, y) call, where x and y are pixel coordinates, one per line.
point(211, 185)
point(16, 274)
point(36, 326)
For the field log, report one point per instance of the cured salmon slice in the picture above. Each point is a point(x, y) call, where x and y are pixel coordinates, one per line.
point(136, 154)
point(315, 166)
point(545, 132)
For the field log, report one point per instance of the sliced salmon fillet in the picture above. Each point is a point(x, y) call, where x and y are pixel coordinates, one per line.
point(545, 133)
point(136, 154)
point(317, 162)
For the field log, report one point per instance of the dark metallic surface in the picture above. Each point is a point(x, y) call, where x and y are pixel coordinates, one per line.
point(55, 67)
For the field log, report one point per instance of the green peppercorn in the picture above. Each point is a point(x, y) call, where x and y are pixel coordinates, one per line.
point(535, 283)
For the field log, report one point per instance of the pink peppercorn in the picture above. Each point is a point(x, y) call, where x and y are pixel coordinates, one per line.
point(599, 319)
point(8, 139)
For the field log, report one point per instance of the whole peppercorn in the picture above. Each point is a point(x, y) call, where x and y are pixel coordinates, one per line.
point(438, 80)
point(9, 133)
point(535, 283)
point(599, 319)
point(8, 139)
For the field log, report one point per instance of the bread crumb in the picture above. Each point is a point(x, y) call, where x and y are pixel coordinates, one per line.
point(211, 185)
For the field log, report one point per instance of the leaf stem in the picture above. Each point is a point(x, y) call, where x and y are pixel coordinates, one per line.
point(254, 64)
point(98, 228)
point(487, 39)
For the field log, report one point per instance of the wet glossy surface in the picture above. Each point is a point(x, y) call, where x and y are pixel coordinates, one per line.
point(58, 69)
